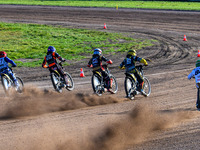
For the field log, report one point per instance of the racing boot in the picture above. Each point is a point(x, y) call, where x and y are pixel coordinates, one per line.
point(142, 88)
point(109, 86)
point(111, 91)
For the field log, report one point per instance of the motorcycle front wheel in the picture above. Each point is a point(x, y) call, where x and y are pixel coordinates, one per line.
point(96, 85)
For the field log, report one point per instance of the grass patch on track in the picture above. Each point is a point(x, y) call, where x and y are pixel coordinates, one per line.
point(27, 43)
point(114, 4)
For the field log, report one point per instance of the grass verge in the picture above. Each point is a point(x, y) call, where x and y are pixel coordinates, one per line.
point(114, 4)
point(27, 43)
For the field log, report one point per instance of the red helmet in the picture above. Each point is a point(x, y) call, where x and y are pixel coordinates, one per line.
point(3, 54)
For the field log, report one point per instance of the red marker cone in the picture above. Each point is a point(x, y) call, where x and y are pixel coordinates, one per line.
point(105, 26)
point(184, 39)
point(82, 73)
point(198, 55)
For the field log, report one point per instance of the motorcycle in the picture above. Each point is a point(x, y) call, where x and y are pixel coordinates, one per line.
point(59, 82)
point(99, 84)
point(132, 86)
point(9, 84)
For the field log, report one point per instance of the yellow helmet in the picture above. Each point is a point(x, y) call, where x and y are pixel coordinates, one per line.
point(132, 52)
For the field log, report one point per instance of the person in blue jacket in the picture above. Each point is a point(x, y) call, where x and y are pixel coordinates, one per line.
point(4, 67)
point(196, 74)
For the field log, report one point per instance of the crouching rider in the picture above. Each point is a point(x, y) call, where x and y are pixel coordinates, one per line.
point(129, 64)
point(4, 67)
point(50, 59)
point(96, 63)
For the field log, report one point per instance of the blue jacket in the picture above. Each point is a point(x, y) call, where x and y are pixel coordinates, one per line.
point(4, 62)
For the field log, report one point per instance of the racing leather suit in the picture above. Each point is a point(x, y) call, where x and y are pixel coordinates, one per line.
point(196, 73)
point(129, 64)
point(50, 59)
point(96, 63)
point(4, 68)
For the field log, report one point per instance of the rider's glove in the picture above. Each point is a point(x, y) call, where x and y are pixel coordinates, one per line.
point(109, 62)
point(63, 60)
point(44, 66)
point(121, 67)
point(89, 66)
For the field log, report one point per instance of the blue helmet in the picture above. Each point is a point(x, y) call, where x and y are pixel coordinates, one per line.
point(97, 51)
point(51, 49)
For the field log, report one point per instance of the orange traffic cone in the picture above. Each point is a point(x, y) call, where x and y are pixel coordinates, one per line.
point(198, 55)
point(184, 39)
point(82, 73)
point(105, 26)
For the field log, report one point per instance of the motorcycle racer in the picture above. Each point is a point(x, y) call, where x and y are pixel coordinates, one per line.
point(4, 67)
point(196, 73)
point(129, 64)
point(51, 59)
point(96, 63)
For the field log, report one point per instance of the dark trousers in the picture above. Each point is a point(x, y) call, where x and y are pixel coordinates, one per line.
point(59, 69)
point(106, 77)
point(198, 98)
point(137, 75)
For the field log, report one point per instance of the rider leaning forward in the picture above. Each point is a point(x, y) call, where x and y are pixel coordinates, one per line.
point(50, 59)
point(96, 63)
point(4, 68)
point(129, 64)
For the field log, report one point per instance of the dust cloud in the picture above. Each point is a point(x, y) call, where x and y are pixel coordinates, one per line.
point(33, 102)
point(133, 129)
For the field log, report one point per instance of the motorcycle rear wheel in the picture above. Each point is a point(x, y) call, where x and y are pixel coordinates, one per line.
point(147, 87)
point(114, 84)
point(130, 87)
point(21, 85)
point(55, 78)
point(70, 82)
point(6, 83)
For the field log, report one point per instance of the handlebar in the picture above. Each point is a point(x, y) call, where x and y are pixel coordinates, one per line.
point(105, 65)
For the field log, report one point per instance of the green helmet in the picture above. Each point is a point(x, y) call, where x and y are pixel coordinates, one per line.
point(198, 63)
point(132, 52)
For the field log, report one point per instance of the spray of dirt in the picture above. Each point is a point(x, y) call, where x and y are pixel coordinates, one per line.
point(131, 130)
point(33, 101)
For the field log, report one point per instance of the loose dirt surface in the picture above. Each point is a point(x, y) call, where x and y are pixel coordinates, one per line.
point(78, 120)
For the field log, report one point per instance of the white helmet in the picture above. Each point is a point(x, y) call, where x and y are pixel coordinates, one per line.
point(97, 51)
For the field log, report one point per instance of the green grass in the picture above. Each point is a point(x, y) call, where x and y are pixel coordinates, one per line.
point(27, 43)
point(120, 4)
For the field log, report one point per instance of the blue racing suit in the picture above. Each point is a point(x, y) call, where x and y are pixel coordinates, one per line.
point(196, 73)
point(4, 68)
point(129, 64)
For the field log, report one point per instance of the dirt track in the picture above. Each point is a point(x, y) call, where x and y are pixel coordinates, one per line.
point(27, 121)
